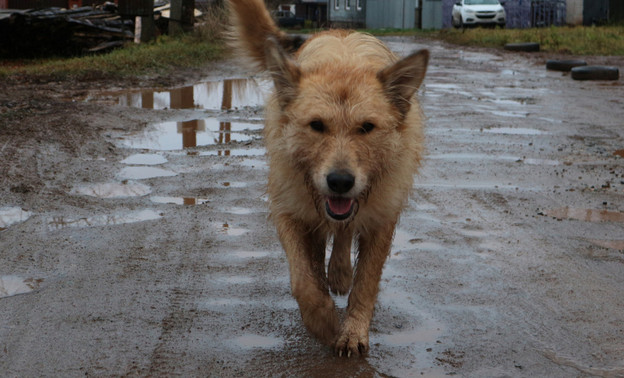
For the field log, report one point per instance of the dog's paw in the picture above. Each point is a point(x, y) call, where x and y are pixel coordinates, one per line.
point(339, 280)
point(352, 341)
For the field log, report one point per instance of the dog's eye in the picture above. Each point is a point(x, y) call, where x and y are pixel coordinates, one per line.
point(367, 127)
point(317, 126)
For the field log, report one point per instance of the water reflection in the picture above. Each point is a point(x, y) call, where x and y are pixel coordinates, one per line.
point(112, 190)
point(212, 95)
point(165, 136)
point(61, 222)
point(13, 285)
point(223, 95)
point(12, 215)
point(179, 200)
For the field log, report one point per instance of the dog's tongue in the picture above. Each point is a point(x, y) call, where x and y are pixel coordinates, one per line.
point(339, 205)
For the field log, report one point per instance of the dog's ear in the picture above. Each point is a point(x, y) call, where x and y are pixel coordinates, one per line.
point(402, 79)
point(285, 72)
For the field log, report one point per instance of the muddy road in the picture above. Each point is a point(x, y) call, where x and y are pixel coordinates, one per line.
point(134, 238)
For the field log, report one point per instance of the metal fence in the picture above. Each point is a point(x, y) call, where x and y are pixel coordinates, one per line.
point(548, 12)
point(535, 13)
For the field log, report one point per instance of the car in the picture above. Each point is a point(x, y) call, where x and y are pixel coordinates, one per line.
point(287, 19)
point(478, 12)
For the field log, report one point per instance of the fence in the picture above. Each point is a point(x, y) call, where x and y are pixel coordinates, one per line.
point(535, 13)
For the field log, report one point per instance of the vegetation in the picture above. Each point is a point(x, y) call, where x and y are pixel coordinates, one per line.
point(156, 58)
point(166, 54)
point(602, 40)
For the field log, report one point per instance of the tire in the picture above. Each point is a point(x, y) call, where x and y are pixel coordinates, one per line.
point(526, 47)
point(595, 73)
point(564, 65)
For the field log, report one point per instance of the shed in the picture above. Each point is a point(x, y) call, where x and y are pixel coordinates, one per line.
point(397, 14)
point(347, 13)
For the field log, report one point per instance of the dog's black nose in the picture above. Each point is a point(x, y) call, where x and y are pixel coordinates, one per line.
point(340, 181)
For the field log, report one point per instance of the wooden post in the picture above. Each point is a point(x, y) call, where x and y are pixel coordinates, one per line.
point(182, 16)
point(143, 10)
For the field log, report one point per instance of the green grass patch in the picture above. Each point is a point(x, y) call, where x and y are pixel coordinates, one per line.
point(159, 57)
point(600, 40)
point(150, 58)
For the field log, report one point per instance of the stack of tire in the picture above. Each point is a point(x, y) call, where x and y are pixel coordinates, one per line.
point(578, 68)
point(581, 71)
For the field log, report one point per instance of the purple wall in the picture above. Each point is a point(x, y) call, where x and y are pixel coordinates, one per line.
point(520, 13)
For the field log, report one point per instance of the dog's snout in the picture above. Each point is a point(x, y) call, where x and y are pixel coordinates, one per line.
point(340, 182)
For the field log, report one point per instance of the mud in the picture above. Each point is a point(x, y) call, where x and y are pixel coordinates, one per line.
point(134, 236)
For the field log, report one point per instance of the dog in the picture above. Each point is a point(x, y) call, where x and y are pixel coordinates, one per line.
point(344, 139)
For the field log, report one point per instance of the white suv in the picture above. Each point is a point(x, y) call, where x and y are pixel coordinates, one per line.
point(478, 12)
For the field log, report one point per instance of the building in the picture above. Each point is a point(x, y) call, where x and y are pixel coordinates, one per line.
point(347, 13)
point(372, 14)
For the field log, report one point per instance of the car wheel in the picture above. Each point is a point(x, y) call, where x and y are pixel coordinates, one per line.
point(595, 73)
point(564, 65)
point(526, 47)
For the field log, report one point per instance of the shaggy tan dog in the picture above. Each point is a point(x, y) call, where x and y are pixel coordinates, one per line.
point(344, 139)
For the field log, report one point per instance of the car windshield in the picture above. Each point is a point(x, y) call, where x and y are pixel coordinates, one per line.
point(481, 2)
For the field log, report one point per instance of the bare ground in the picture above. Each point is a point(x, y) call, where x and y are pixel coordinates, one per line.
point(509, 259)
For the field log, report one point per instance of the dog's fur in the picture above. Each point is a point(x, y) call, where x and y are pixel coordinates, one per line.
point(344, 139)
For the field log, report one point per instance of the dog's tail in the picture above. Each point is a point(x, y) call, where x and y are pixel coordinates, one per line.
point(251, 27)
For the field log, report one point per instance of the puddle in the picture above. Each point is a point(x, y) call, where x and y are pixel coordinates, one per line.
point(238, 210)
point(168, 136)
point(610, 244)
point(235, 152)
point(248, 254)
point(253, 341)
point(13, 285)
point(213, 95)
point(215, 303)
point(254, 163)
point(514, 131)
point(179, 200)
point(236, 280)
point(145, 159)
point(587, 215)
point(564, 360)
point(61, 222)
point(428, 332)
point(234, 184)
point(232, 231)
point(469, 156)
point(112, 190)
point(404, 240)
point(142, 172)
point(12, 215)
point(541, 162)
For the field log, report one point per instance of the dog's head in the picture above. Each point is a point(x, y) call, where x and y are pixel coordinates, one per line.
point(343, 124)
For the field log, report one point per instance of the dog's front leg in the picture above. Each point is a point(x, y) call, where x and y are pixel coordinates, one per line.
point(339, 271)
point(374, 247)
point(305, 250)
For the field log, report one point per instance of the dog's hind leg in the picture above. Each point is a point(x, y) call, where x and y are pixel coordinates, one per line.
point(374, 248)
point(339, 271)
point(305, 250)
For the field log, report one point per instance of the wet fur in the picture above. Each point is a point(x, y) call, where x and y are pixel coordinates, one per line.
point(344, 80)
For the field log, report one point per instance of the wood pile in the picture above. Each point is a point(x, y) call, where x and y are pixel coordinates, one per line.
point(63, 32)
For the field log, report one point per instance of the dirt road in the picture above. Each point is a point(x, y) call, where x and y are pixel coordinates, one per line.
point(134, 238)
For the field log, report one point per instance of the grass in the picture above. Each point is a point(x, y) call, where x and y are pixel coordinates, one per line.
point(133, 60)
point(602, 40)
point(159, 57)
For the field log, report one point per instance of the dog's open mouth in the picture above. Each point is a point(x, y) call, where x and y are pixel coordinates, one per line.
point(339, 208)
